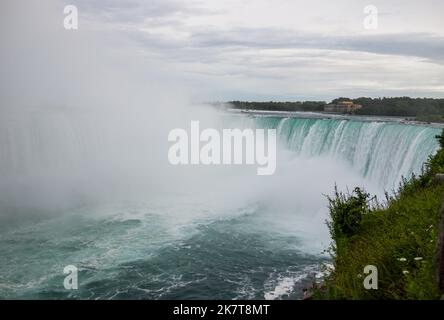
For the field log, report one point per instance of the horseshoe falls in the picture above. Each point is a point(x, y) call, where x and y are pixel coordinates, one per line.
point(382, 152)
point(94, 193)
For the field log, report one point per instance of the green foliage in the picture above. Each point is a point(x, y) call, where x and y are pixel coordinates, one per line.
point(422, 109)
point(399, 239)
point(346, 212)
point(441, 139)
point(425, 108)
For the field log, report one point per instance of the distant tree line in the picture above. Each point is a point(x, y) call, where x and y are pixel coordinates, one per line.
point(401, 106)
point(424, 109)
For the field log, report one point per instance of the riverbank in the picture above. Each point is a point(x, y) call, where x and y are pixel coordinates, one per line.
point(324, 115)
point(428, 110)
point(399, 238)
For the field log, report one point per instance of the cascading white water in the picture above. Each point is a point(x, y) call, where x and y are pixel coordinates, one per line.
point(83, 133)
point(71, 153)
point(188, 229)
point(382, 152)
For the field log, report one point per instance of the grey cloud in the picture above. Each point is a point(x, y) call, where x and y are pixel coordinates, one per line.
point(227, 59)
point(417, 44)
point(135, 11)
point(164, 12)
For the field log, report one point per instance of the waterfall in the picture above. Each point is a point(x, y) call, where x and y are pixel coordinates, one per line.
point(383, 152)
point(48, 156)
point(270, 230)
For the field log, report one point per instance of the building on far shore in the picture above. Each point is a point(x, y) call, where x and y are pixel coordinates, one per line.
point(342, 107)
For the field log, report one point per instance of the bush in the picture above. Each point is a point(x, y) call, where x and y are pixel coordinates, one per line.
point(399, 238)
point(346, 212)
point(441, 139)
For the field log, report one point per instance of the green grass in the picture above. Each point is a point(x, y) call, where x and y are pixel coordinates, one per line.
point(389, 237)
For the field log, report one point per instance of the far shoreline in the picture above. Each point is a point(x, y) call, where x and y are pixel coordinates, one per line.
point(335, 116)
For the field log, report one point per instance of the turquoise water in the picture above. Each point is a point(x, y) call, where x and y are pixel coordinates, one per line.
point(383, 152)
point(149, 258)
point(202, 246)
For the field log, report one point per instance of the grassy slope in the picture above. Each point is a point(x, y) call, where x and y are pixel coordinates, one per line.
point(407, 228)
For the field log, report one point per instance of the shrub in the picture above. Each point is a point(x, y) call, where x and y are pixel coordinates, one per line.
point(346, 211)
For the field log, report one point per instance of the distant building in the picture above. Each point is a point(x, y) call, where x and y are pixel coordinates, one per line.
point(342, 107)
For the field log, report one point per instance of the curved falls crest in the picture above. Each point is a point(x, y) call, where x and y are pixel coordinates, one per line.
point(383, 152)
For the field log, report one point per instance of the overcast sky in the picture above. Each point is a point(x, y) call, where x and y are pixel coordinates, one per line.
point(278, 49)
